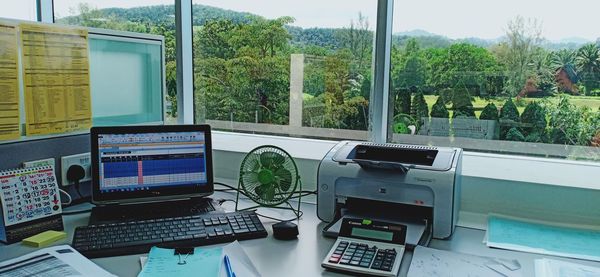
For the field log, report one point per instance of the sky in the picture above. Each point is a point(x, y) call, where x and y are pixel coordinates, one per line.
point(452, 18)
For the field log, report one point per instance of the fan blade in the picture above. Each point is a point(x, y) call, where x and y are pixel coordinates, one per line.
point(285, 178)
point(251, 163)
point(271, 159)
point(268, 194)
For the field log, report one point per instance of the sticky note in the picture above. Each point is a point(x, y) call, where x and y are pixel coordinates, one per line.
point(44, 239)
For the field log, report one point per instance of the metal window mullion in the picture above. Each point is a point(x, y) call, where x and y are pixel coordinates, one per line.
point(185, 75)
point(45, 11)
point(380, 105)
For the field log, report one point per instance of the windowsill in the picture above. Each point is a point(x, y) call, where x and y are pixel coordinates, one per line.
point(557, 172)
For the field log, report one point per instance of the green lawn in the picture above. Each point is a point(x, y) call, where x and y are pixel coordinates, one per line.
point(580, 101)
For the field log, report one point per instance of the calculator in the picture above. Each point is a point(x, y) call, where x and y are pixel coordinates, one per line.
point(367, 247)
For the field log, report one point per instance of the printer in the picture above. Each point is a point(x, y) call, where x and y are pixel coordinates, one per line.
point(418, 186)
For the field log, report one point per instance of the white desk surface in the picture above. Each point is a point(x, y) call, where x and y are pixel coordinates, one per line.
point(301, 257)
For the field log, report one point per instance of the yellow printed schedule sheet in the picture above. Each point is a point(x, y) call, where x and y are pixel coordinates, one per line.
point(56, 79)
point(9, 83)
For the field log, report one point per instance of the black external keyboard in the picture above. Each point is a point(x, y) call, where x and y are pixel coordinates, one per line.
point(135, 237)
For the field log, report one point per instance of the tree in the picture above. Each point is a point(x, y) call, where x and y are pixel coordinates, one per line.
point(337, 74)
point(516, 52)
point(402, 103)
point(359, 40)
point(409, 67)
point(462, 103)
point(419, 107)
point(213, 39)
point(438, 110)
point(588, 64)
point(489, 112)
point(460, 63)
point(244, 74)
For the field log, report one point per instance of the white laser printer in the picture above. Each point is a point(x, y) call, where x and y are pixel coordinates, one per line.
point(418, 186)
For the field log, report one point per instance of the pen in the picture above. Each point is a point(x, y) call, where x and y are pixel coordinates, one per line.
point(230, 272)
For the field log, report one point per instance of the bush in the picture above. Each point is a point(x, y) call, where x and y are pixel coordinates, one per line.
point(402, 103)
point(489, 112)
point(515, 135)
point(439, 110)
point(535, 115)
point(462, 103)
point(419, 107)
point(509, 111)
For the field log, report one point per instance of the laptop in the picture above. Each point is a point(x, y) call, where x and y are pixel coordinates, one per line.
point(145, 172)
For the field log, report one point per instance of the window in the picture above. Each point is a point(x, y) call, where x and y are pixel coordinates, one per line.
point(152, 17)
point(504, 76)
point(19, 9)
point(284, 67)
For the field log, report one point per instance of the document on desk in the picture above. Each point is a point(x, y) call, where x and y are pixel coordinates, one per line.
point(543, 238)
point(240, 262)
point(9, 82)
point(433, 262)
point(57, 261)
point(556, 268)
point(164, 262)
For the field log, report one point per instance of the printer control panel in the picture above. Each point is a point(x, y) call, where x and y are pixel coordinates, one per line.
point(367, 247)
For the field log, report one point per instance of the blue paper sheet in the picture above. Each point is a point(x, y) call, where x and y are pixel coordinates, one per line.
point(543, 238)
point(163, 262)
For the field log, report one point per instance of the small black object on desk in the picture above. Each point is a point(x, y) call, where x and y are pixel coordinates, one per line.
point(285, 230)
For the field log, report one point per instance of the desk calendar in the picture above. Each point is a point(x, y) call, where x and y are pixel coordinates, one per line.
point(30, 203)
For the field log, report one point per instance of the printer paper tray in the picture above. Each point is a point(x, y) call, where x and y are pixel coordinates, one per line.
point(417, 233)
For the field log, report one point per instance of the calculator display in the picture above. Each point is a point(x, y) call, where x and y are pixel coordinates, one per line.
point(372, 234)
point(374, 230)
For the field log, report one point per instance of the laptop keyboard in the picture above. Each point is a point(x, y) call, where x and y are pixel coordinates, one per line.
point(135, 237)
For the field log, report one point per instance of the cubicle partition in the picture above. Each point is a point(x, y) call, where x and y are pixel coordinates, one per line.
point(127, 84)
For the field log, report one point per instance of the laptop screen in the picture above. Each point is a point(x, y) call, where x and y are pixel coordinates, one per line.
point(142, 162)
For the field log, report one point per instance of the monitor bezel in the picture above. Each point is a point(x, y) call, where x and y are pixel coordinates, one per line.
point(155, 195)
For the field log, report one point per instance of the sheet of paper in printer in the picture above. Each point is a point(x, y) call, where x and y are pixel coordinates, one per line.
point(543, 237)
point(433, 262)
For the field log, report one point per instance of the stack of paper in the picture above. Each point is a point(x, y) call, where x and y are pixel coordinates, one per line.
point(543, 238)
point(428, 262)
point(57, 261)
point(556, 268)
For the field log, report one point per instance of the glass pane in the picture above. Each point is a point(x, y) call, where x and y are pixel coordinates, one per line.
point(19, 9)
point(134, 71)
point(152, 17)
point(517, 77)
point(283, 67)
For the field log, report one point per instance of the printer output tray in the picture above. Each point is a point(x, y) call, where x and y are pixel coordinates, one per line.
point(417, 233)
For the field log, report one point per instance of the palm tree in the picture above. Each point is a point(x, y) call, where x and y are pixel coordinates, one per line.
point(562, 58)
point(588, 64)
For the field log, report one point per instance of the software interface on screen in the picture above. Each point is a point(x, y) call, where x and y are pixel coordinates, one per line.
point(146, 161)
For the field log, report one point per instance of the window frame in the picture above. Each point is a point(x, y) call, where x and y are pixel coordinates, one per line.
point(379, 129)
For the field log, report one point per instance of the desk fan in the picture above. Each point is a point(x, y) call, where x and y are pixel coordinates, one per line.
point(269, 177)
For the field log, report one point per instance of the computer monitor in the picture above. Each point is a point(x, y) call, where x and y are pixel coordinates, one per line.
point(150, 163)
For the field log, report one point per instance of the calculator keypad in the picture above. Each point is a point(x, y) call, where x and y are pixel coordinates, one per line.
point(363, 255)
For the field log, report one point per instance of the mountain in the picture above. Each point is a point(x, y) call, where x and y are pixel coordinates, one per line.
point(324, 37)
point(416, 33)
point(575, 40)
